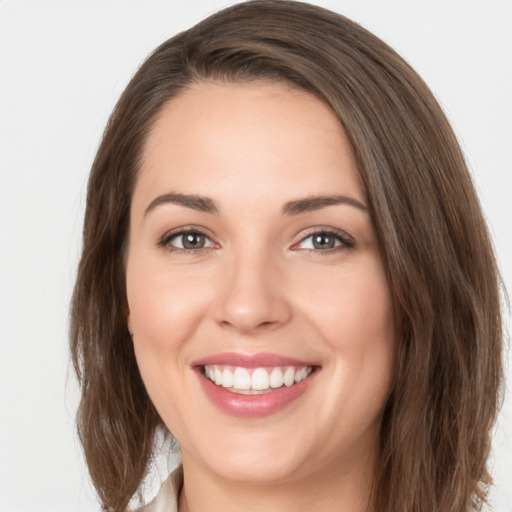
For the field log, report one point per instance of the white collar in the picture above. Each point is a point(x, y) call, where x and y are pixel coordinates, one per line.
point(167, 497)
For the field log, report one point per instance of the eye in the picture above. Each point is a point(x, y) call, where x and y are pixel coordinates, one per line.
point(190, 240)
point(325, 241)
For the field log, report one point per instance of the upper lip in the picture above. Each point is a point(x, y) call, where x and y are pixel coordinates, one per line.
point(261, 359)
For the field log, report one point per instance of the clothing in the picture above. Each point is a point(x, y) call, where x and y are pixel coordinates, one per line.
point(167, 497)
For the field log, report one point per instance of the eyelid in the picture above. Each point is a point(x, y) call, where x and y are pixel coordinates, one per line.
point(347, 241)
point(165, 239)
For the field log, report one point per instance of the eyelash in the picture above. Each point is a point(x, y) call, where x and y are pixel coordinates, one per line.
point(165, 241)
point(346, 241)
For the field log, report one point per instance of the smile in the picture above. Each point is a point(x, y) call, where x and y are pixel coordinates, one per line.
point(250, 381)
point(254, 385)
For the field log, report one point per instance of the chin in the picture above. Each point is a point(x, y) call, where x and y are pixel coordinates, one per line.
point(257, 468)
point(257, 455)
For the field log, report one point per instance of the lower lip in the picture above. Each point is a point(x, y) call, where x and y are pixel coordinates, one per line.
point(253, 406)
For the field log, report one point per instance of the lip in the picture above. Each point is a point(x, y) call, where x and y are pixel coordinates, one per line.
point(252, 406)
point(259, 360)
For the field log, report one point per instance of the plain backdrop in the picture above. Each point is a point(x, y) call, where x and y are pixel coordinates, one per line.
point(63, 64)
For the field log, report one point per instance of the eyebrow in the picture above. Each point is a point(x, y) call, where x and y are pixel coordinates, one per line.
point(312, 203)
point(193, 201)
point(296, 207)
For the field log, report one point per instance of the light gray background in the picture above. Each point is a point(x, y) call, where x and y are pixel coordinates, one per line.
point(63, 65)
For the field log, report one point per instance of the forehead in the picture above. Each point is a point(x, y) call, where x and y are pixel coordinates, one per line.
point(253, 139)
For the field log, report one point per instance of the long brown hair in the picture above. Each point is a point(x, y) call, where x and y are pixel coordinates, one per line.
point(435, 247)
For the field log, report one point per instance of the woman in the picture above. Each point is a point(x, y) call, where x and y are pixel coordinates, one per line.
point(286, 266)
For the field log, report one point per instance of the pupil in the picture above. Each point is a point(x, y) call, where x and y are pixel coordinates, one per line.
point(193, 241)
point(323, 241)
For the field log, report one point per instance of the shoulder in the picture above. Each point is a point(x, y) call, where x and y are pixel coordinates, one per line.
point(167, 498)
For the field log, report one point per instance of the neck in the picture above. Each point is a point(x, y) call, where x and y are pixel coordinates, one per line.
point(334, 489)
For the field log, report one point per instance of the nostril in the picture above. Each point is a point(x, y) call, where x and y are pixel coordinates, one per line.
point(250, 300)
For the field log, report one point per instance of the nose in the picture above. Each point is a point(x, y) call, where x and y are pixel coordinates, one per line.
point(253, 296)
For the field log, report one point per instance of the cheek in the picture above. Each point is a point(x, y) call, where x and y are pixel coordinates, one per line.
point(353, 314)
point(165, 307)
point(165, 310)
point(352, 307)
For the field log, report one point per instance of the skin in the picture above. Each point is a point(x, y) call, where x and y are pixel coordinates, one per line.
point(259, 285)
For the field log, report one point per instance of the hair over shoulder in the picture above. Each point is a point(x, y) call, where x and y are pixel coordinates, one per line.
point(434, 242)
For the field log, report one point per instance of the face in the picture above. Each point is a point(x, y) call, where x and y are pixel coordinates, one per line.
point(262, 319)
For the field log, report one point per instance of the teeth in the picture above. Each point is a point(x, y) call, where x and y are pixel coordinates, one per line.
point(227, 378)
point(259, 379)
point(241, 379)
point(289, 376)
point(276, 378)
point(301, 374)
point(238, 379)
